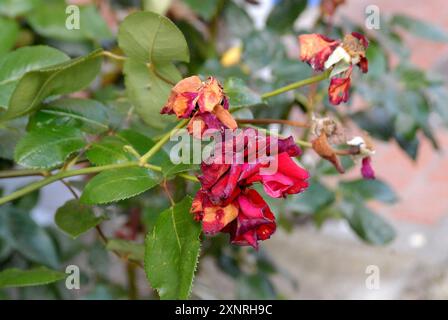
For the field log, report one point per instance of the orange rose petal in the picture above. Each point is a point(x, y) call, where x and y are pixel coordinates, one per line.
point(216, 218)
point(211, 94)
point(225, 117)
point(315, 49)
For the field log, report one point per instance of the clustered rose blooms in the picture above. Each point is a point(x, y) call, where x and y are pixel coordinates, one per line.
point(226, 202)
point(322, 53)
point(202, 101)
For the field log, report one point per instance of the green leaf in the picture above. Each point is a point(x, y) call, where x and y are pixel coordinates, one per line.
point(37, 85)
point(312, 199)
point(15, 64)
point(263, 48)
point(147, 37)
point(369, 189)
point(48, 147)
point(12, 278)
point(10, 134)
point(255, 286)
point(107, 151)
point(88, 115)
point(368, 225)
point(172, 252)
point(148, 92)
point(205, 9)
point(119, 184)
point(284, 13)
point(14, 8)
point(239, 94)
point(75, 218)
point(420, 28)
point(237, 22)
point(49, 20)
point(24, 235)
point(10, 32)
point(378, 63)
point(170, 170)
point(129, 249)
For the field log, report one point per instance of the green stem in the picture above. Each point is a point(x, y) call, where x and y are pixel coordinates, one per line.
point(324, 75)
point(60, 175)
point(144, 159)
point(21, 173)
point(113, 56)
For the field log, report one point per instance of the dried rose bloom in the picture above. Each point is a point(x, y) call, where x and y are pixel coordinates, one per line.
point(202, 101)
point(323, 53)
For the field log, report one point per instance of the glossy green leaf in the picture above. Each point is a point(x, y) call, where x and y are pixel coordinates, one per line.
point(172, 251)
point(75, 218)
point(49, 20)
point(48, 147)
point(420, 28)
point(284, 13)
point(37, 85)
point(10, 134)
point(88, 115)
point(14, 8)
point(10, 32)
point(119, 184)
point(13, 278)
point(129, 249)
point(107, 151)
point(149, 92)
point(170, 170)
point(369, 189)
point(239, 94)
point(20, 231)
point(151, 38)
point(15, 64)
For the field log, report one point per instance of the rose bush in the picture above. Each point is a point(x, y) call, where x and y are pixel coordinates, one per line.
point(102, 103)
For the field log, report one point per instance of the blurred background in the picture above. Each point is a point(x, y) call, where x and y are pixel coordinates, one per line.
point(319, 251)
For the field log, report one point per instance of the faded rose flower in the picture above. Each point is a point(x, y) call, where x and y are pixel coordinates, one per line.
point(247, 218)
point(220, 180)
point(322, 53)
point(225, 201)
point(203, 101)
point(289, 179)
point(255, 221)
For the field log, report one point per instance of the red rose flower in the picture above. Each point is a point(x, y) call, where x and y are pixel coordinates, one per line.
point(225, 201)
point(289, 178)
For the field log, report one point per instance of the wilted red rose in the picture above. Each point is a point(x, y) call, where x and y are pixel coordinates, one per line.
point(226, 186)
